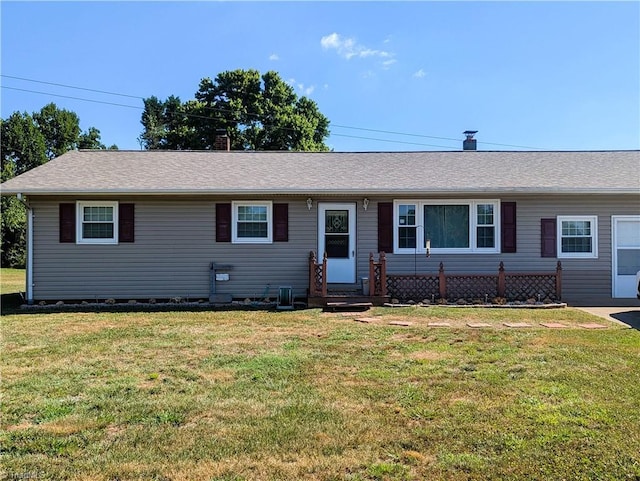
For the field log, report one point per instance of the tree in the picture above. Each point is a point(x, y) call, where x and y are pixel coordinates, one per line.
point(90, 140)
point(27, 141)
point(257, 112)
point(60, 129)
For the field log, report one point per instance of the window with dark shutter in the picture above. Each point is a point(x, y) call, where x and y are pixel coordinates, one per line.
point(68, 223)
point(385, 226)
point(126, 222)
point(508, 227)
point(548, 246)
point(223, 222)
point(281, 222)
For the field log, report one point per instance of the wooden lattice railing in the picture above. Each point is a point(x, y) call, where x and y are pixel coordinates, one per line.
point(510, 286)
point(317, 276)
point(378, 275)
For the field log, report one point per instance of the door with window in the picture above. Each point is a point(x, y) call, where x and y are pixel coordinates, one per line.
point(626, 254)
point(337, 237)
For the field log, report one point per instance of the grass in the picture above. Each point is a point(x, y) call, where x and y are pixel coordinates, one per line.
point(12, 284)
point(11, 280)
point(310, 395)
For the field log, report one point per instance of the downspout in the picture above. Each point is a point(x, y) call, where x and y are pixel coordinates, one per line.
point(29, 276)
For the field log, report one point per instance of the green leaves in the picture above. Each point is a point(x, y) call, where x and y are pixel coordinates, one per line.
point(27, 141)
point(256, 112)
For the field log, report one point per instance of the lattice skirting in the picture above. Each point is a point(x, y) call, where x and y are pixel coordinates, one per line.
point(518, 287)
point(417, 288)
point(533, 286)
point(476, 287)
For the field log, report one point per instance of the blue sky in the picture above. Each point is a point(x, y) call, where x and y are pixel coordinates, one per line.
point(548, 75)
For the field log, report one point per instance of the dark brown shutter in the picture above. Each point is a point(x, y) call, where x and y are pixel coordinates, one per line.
point(281, 222)
point(67, 222)
point(385, 226)
point(508, 226)
point(126, 222)
point(548, 238)
point(223, 222)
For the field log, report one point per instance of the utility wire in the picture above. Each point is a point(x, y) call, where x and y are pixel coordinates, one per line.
point(196, 116)
point(73, 98)
point(430, 136)
point(222, 110)
point(394, 141)
point(71, 86)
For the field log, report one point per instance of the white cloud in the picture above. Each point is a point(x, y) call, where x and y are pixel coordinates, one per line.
point(273, 57)
point(348, 48)
point(388, 63)
point(304, 90)
point(420, 73)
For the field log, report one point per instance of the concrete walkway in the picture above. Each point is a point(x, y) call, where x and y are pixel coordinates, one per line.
point(628, 316)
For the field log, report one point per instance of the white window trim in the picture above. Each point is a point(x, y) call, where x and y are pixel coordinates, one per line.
point(234, 223)
point(80, 205)
point(594, 237)
point(473, 224)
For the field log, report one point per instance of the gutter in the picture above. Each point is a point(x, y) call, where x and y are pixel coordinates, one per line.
point(29, 276)
point(342, 192)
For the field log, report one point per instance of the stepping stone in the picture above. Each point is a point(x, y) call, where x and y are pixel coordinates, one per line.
point(478, 325)
point(592, 325)
point(399, 323)
point(439, 324)
point(364, 320)
point(516, 325)
point(553, 325)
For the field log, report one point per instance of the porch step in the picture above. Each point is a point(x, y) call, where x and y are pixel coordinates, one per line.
point(347, 306)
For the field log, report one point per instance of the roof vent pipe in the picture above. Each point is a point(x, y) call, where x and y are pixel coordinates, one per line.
point(469, 143)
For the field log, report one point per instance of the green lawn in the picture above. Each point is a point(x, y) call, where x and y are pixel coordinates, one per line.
point(308, 395)
point(11, 280)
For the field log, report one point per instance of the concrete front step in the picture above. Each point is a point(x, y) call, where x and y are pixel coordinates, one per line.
point(346, 302)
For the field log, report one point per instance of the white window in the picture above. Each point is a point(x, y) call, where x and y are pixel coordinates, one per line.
point(252, 223)
point(97, 222)
point(577, 236)
point(450, 227)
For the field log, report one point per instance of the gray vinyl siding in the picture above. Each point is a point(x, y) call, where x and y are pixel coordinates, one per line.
point(174, 246)
point(581, 278)
point(175, 243)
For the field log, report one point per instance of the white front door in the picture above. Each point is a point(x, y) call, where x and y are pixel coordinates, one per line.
point(626, 254)
point(337, 237)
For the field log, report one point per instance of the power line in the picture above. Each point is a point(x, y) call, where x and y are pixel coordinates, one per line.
point(71, 86)
point(395, 141)
point(429, 136)
point(195, 116)
point(222, 110)
point(73, 98)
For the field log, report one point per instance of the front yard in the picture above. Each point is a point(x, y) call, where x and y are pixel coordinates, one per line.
point(308, 395)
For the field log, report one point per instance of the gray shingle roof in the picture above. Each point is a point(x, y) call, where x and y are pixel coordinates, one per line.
point(189, 172)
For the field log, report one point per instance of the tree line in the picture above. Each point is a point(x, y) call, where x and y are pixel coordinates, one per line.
point(256, 112)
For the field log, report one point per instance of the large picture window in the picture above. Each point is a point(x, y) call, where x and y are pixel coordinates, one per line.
point(468, 226)
point(97, 222)
point(577, 236)
point(252, 223)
